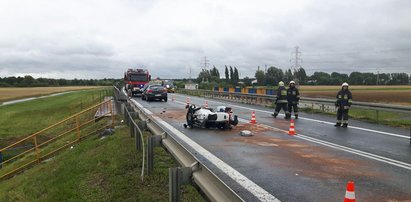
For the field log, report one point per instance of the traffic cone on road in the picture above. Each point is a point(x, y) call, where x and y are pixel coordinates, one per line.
point(291, 131)
point(349, 193)
point(206, 104)
point(253, 120)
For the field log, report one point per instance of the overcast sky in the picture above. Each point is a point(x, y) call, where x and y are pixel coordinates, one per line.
point(100, 39)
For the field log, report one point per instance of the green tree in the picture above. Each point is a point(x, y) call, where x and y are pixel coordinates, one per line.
point(227, 78)
point(236, 76)
point(356, 78)
point(204, 76)
point(231, 75)
point(260, 76)
point(300, 75)
point(322, 78)
point(288, 76)
point(273, 76)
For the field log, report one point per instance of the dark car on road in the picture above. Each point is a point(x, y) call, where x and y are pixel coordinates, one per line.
point(154, 92)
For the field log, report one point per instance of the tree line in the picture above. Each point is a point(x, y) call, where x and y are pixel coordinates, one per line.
point(272, 75)
point(29, 81)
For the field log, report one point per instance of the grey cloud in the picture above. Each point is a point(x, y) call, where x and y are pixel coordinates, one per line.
point(102, 39)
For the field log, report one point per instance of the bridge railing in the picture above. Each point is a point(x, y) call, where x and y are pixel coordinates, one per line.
point(43, 144)
point(191, 171)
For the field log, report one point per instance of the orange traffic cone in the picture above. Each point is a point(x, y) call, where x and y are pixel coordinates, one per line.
point(349, 193)
point(206, 104)
point(253, 121)
point(291, 131)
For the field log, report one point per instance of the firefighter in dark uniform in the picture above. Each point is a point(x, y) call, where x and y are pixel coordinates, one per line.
point(344, 101)
point(293, 97)
point(281, 102)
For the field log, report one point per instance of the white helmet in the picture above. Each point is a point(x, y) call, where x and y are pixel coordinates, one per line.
point(292, 82)
point(281, 83)
point(344, 84)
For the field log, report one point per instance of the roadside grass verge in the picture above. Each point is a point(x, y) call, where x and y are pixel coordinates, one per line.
point(22, 119)
point(96, 170)
point(12, 93)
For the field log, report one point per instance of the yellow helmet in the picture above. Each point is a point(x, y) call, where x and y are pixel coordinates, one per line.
point(281, 83)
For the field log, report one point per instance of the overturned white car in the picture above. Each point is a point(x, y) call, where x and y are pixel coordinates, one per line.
point(201, 117)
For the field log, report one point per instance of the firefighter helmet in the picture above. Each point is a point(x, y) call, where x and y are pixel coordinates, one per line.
point(344, 84)
point(281, 83)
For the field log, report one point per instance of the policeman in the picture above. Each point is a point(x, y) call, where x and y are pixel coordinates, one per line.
point(344, 101)
point(281, 101)
point(293, 97)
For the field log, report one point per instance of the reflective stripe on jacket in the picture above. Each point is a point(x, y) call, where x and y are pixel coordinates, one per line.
point(282, 95)
point(344, 98)
point(293, 95)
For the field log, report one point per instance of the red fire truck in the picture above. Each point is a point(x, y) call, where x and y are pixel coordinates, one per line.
point(135, 79)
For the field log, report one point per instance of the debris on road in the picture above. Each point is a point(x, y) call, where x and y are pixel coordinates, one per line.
point(246, 133)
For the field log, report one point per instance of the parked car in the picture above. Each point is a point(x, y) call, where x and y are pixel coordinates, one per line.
point(154, 92)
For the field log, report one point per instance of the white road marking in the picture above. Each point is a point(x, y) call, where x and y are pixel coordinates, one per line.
point(343, 148)
point(314, 120)
point(249, 185)
point(339, 147)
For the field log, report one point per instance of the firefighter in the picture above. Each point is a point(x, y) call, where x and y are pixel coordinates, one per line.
point(281, 101)
point(343, 103)
point(293, 97)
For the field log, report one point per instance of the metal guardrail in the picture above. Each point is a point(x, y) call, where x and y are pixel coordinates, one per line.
point(191, 170)
point(355, 104)
point(323, 104)
point(48, 141)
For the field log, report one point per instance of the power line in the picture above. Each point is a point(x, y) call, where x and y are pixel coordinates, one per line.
point(296, 59)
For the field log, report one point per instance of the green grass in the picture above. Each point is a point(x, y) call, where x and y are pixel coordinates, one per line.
point(96, 170)
point(23, 119)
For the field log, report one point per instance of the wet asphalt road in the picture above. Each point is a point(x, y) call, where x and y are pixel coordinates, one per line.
point(313, 166)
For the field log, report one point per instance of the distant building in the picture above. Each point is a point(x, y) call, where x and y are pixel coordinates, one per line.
point(191, 86)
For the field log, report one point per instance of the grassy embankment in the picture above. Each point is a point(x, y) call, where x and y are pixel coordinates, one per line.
point(96, 170)
point(11, 93)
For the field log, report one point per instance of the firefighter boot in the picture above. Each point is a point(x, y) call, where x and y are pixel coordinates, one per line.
point(296, 116)
point(345, 125)
point(337, 124)
point(275, 115)
point(287, 116)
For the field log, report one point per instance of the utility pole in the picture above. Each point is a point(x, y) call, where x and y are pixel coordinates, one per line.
point(205, 66)
point(378, 77)
point(296, 59)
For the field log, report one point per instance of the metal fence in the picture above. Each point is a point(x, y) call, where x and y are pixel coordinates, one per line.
point(43, 144)
point(191, 170)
